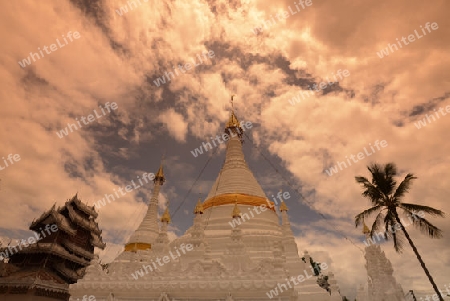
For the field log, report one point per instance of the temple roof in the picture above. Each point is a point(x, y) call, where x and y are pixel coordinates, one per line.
point(77, 250)
point(87, 224)
point(56, 216)
point(69, 273)
point(54, 249)
point(83, 207)
point(97, 241)
point(37, 279)
point(53, 216)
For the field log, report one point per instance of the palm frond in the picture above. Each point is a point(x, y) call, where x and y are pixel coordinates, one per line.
point(429, 210)
point(366, 213)
point(399, 241)
point(382, 178)
point(370, 191)
point(426, 227)
point(407, 213)
point(423, 224)
point(377, 223)
point(390, 171)
point(404, 186)
point(389, 222)
point(377, 174)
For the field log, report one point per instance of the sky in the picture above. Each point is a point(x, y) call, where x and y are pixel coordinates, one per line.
point(266, 53)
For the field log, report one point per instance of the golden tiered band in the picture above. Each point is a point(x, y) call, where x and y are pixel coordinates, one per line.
point(133, 247)
point(240, 198)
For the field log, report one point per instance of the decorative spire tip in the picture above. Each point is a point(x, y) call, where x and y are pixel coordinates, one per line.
point(166, 216)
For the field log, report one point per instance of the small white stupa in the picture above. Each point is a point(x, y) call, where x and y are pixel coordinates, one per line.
point(381, 283)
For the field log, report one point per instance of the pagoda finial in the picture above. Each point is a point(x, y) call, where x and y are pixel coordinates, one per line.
point(159, 177)
point(236, 211)
point(283, 207)
point(232, 105)
point(199, 207)
point(166, 216)
point(233, 128)
point(233, 122)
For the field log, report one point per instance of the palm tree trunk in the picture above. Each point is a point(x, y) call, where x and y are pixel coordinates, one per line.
point(419, 257)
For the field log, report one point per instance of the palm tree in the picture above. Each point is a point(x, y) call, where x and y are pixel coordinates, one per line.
point(386, 199)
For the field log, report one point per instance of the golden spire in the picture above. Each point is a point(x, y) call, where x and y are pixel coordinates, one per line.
point(283, 207)
point(233, 123)
point(236, 211)
point(166, 216)
point(199, 207)
point(160, 174)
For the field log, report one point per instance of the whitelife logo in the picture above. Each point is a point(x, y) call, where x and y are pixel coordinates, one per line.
point(423, 122)
point(245, 217)
point(165, 259)
point(90, 118)
point(124, 9)
point(159, 81)
point(295, 280)
point(10, 157)
point(360, 155)
point(284, 14)
point(110, 197)
point(199, 151)
point(27, 61)
point(7, 252)
point(411, 38)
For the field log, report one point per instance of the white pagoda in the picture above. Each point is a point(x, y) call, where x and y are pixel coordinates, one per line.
point(224, 263)
point(381, 283)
